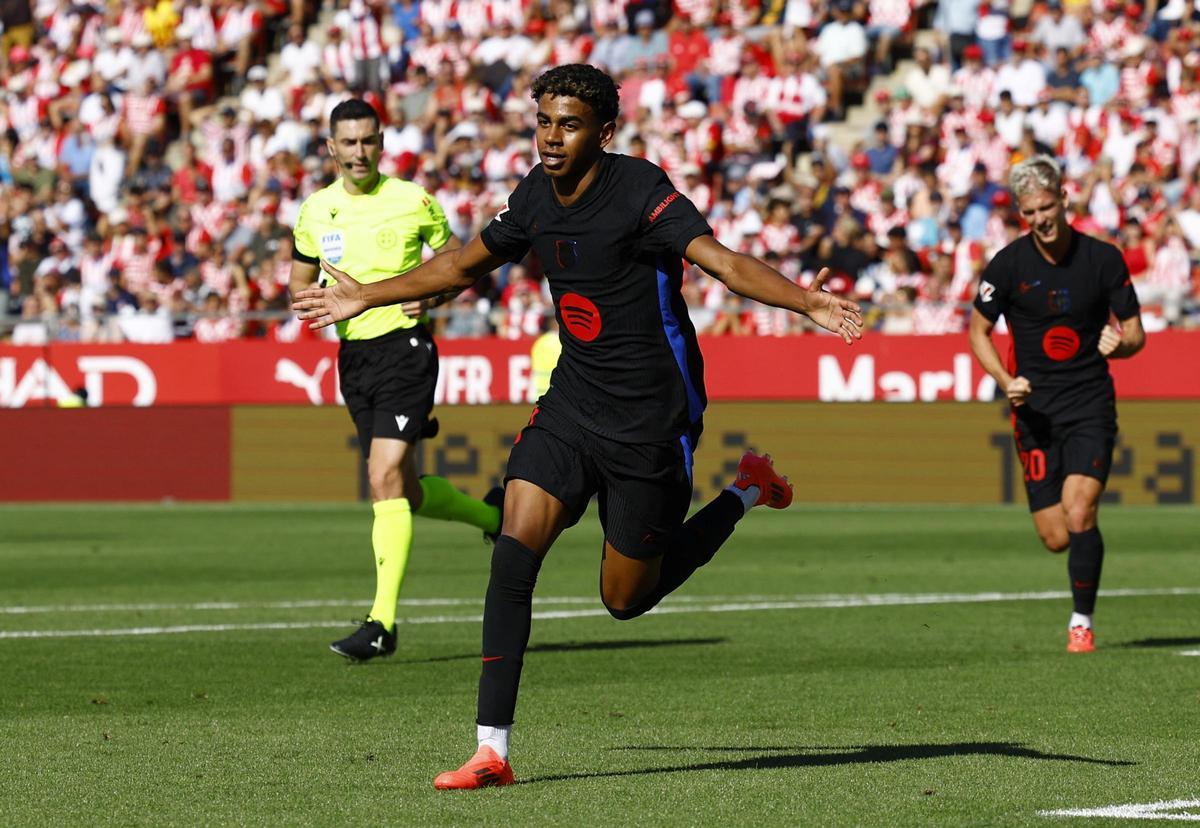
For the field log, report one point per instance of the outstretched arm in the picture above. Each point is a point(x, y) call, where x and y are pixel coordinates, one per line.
point(450, 271)
point(747, 276)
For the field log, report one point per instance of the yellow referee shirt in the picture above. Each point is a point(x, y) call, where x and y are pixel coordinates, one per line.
point(371, 237)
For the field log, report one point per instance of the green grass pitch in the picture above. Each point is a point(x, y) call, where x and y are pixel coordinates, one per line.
point(832, 666)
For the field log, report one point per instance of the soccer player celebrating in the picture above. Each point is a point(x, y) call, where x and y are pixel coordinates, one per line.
point(623, 412)
point(374, 226)
point(1057, 288)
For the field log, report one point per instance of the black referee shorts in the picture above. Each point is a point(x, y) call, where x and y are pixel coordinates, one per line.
point(388, 384)
point(643, 489)
point(1050, 450)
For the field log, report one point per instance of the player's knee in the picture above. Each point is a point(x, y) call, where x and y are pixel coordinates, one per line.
point(1081, 518)
point(385, 483)
point(622, 607)
point(1055, 541)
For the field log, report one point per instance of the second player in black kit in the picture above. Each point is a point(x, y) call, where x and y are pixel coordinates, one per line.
point(624, 409)
point(1058, 289)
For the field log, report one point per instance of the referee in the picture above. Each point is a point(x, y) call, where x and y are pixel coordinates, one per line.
point(372, 227)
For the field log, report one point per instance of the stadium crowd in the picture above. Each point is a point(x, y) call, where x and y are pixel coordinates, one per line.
point(154, 154)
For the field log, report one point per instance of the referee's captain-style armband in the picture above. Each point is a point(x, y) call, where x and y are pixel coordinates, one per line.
point(300, 257)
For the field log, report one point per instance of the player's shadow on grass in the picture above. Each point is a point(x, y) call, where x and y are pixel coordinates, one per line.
point(830, 755)
point(582, 646)
point(1160, 642)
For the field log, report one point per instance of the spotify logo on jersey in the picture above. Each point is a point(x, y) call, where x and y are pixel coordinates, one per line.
point(580, 316)
point(1060, 343)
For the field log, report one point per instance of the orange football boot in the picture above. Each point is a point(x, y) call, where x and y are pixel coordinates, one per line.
point(483, 770)
point(773, 490)
point(1081, 640)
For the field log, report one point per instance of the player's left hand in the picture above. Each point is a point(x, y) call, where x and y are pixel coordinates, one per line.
point(833, 313)
point(1110, 338)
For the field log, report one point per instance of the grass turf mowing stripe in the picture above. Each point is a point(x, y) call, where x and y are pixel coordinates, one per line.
point(695, 605)
point(759, 601)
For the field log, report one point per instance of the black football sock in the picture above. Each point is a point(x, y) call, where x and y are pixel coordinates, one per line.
point(507, 616)
point(1083, 565)
point(690, 547)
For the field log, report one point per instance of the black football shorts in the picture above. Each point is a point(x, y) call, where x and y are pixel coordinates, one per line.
point(643, 489)
point(1049, 451)
point(388, 384)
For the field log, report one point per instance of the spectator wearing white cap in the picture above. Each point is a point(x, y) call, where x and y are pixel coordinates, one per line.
point(113, 60)
point(147, 64)
point(265, 102)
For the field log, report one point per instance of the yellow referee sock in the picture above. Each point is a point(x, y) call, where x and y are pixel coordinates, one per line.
point(391, 538)
point(440, 500)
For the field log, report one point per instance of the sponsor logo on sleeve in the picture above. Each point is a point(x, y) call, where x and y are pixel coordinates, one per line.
point(986, 291)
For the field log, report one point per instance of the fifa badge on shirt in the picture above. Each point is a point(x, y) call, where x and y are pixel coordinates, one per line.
point(332, 247)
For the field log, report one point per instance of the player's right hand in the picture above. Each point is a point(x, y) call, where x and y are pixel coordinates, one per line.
point(1017, 390)
point(322, 307)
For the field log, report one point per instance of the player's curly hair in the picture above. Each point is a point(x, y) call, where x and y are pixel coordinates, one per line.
point(1034, 175)
point(587, 83)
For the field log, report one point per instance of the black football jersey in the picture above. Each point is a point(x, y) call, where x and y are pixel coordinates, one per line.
point(630, 367)
point(1055, 314)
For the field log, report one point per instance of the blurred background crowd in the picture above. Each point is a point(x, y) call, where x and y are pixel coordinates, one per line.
point(153, 155)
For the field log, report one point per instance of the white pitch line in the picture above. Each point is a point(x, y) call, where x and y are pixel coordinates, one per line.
point(1190, 652)
point(692, 605)
point(1150, 810)
point(816, 601)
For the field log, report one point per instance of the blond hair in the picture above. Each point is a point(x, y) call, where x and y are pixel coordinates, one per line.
point(1034, 175)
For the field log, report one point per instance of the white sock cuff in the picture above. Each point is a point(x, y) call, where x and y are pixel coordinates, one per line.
point(494, 737)
point(748, 495)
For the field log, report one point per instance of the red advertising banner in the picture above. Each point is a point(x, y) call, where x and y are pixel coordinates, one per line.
point(485, 371)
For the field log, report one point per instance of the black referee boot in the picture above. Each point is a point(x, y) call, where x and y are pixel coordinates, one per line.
point(369, 641)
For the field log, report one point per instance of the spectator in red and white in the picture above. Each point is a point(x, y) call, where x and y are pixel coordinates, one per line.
point(197, 19)
point(1168, 283)
point(1188, 218)
point(887, 218)
point(841, 47)
point(216, 325)
point(887, 21)
point(935, 311)
point(1110, 32)
point(974, 80)
point(144, 118)
point(798, 100)
point(231, 175)
point(992, 32)
point(522, 304)
point(928, 83)
point(693, 186)
point(361, 25)
point(1139, 74)
point(1023, 75)
point(191, 83)
point(137, 260)
point(238, 31)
